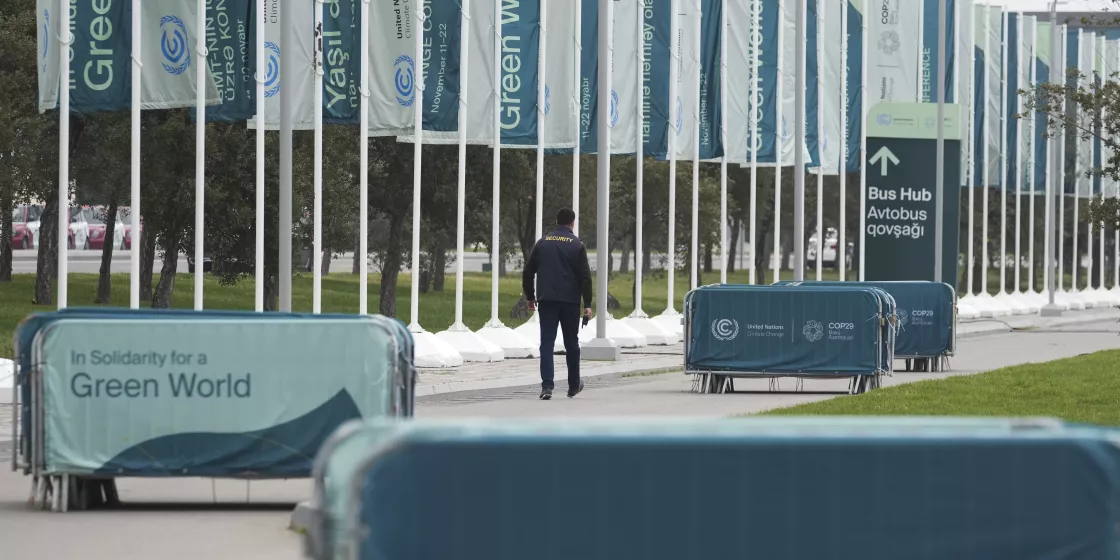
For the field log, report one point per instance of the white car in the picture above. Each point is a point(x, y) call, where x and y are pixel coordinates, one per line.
point(831, 241)
point(79, 229)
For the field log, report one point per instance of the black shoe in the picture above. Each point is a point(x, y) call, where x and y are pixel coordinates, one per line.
point(546, 394)
point(576, 391)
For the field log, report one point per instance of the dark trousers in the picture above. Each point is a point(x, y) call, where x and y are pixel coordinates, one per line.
point(567, 316)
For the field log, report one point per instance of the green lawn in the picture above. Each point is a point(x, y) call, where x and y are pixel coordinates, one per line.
point(1081, 389)
point(340, 294)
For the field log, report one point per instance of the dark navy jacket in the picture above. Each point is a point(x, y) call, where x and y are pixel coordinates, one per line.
point(559, 262)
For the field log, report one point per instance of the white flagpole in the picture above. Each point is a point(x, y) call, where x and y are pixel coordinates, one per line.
point(541, 116)
point(134, 187)
point(1031, 155)
point(1060, 145)
point(695, 249)
point(1003, 164)
point(317, 173)
point(755, 39)
point(779, 151)
point(363, 171)
point(724, 247)
point(417, 168)
point(262, 75)
point(799, 120)
point(820, 150)
point(988, 55)
point(460, 219)
point(842, 240)
point(863, 145)
point(639, 168)
point(577, 112)
point(971, 143)
point(64, 145)
point(496, 164)
point(1076, 257)
point(200, 155)
point(1020, 142)
point(672, 131)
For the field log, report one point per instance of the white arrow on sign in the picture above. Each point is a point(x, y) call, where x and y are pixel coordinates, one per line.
point(884, 157)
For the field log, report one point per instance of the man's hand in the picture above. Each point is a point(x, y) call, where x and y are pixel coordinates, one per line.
point(532, 305)
point(587, 312)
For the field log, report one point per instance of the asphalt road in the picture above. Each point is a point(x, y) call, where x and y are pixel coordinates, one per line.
point(202, 530)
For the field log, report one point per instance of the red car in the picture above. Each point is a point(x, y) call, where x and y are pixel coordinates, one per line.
point(95, 217)
point(125, 219)
point(25, 226)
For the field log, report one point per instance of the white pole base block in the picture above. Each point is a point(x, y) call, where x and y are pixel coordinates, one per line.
point(1069, 299)
point(656, 335)
point(1016, 307)
point(600, 350)
point(431, 352)
point(513, 345)
point(988, 306)
point(1105, 297)
point(531, 331)
point(471, 347)
point(966, 311)
point(671, 321)
point(1024, 299)
point(1083, 298)
point(622, 334)
point(7, 380)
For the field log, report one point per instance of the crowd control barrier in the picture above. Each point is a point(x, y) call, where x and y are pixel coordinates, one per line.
point(660, 489)
point(788, 331)
point(113, 393)
point(927, 320)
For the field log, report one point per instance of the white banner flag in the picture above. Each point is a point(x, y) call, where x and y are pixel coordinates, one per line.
point(274, 53)
point(393, 77)
point(831, 91)
point(894, 42)
point(561, 89)
point(993, 112)
point(742, 48)
point(625, 89)
point(687, 106)
point(963, 63)
point(170, 46)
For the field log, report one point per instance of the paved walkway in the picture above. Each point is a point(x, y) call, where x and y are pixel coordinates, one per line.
point(195, 528)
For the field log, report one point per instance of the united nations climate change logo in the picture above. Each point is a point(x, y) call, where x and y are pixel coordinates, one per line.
point(903, 317)
point(46, 36)
point(614, 108)
point(813, 331)
point(404, 80)
point(547, 99)
point(884, 119)
point(173, 43)
point(888, 42)
point(725, 329)
point(678, 121)
point(272, 73)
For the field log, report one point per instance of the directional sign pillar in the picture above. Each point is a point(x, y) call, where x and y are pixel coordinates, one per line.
point(900, 221)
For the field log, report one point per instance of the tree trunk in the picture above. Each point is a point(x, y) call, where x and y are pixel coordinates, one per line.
point(502, 272)
point(162, 297)
point(624, 265)
point(391, 267)
point(45, 271)
point(6, 205)
point(439, 263)
point(270, 293)
point(733, 249)
point(104, 277)
point(355, 267)
point(761, 254)
point(325, 266)
point(708, 258)
point(147, 260)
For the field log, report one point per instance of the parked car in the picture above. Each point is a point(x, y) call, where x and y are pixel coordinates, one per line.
point(25, 226)
point(96, 218)
point(79, 229)
point(829, 256)
point(124, 218)
point(207, 263)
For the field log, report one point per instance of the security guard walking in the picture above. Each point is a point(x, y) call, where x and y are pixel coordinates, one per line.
point(563, 276)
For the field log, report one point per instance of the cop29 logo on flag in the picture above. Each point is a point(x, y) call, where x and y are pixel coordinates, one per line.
point(678, 118)
point(46, 36)
point(173, 43)
point(614, 108)
point(813, 330)
point(404, 80)
point(548, 100)
point(725, 329)
point(272, 70)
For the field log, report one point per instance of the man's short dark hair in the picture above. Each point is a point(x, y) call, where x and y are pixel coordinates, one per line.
point(565, 217)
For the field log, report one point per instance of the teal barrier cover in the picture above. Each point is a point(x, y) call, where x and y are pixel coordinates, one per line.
point(926, 313)
point(703, 491)
point(785, 330)
point(216, 397)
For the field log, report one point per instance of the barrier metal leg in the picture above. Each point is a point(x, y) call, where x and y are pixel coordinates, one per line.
point(908, 364)
point(799, 385)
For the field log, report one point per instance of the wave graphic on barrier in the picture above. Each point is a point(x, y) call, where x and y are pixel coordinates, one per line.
point(284, 450)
